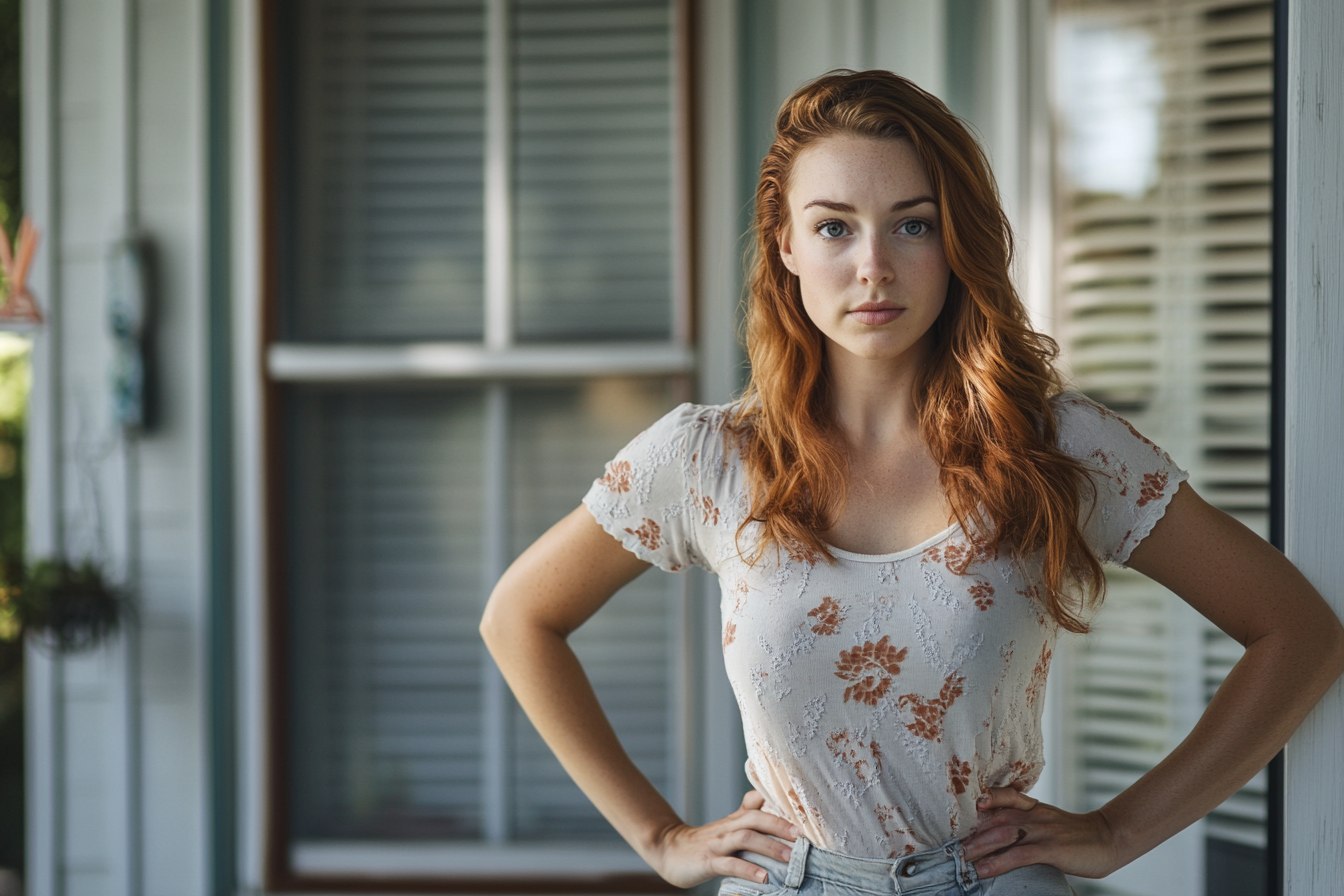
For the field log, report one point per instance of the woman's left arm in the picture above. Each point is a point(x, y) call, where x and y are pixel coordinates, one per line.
point(1294, 653)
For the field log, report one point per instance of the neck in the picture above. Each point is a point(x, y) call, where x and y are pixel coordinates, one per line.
point(874, 399)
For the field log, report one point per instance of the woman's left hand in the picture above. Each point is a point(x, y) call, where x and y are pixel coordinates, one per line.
point(1013, 830)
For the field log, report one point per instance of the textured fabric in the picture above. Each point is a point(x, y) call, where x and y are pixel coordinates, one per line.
point(880, 694)
point(939, 872)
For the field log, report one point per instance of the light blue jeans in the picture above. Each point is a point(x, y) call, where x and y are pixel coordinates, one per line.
point(938, 872)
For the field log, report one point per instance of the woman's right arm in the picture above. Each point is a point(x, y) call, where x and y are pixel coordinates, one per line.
point(548, 592)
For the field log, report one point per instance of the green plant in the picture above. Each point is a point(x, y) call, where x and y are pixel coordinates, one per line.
point(61, 605)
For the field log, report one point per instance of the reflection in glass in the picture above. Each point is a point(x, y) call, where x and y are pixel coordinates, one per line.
point(1109, 92)
point(1164, 113)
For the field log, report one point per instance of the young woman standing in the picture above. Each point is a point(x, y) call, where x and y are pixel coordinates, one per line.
point(903, 510)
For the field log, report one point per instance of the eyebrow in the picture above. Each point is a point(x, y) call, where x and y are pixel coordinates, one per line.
point(846, 207)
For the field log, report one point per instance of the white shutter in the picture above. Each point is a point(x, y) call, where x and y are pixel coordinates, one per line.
point(593, 169)
point(1164, 309)
point(388, 170)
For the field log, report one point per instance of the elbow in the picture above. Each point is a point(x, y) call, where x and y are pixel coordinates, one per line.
point(492, 624)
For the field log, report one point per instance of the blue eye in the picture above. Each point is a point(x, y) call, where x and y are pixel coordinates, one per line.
point(831, 229)
point(919, 228)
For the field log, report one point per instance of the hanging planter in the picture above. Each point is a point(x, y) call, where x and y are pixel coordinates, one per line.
point(67, 608)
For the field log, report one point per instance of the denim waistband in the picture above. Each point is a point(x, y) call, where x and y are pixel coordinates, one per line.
point(943, 869)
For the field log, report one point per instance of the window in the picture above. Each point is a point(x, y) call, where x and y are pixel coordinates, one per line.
point(1164, 111)
point(480, 222)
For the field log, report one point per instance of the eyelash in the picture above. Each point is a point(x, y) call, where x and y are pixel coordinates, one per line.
point(829, 221)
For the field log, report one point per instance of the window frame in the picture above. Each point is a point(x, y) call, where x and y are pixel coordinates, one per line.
point(497, 362)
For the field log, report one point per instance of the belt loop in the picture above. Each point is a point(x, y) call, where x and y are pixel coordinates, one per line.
point(798, 863)
point(967, 879)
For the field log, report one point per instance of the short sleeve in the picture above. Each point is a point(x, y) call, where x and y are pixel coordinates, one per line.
point(651, 499)
point(1135, 479)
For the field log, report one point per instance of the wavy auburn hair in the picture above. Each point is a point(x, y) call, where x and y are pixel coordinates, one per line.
point(983, 396)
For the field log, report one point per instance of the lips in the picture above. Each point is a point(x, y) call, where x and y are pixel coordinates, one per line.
point(875, 314)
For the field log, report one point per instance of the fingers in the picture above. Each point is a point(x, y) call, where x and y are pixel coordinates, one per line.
point(753, 799)
point(1026, 854)
point(771, 824)
point(748, 840)
point(1005, 798)
point(732, 866)
point(987, 842)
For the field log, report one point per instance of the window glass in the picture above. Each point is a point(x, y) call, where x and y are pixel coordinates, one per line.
point(388, 172)
point(593, 166)
point(1164, 113)
point(385, 495)
point(560, 437)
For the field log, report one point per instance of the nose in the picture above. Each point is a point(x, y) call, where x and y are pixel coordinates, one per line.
point(875, 264)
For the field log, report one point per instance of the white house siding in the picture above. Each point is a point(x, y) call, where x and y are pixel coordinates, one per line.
point(118, 745)
point(1314, 386)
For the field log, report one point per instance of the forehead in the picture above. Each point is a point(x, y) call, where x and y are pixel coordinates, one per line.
point(849, 168)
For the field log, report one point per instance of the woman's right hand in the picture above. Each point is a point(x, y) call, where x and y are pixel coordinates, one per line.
point(686, 855)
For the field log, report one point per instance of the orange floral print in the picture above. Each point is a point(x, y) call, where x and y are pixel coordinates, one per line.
point(870, 668)
point(886, 815)
point(710, 512)
point(829, 615)
point(958, 776)
point(961, 556)
point(617, 478)
point(929, 714)
point(1154, 484)
point(1022, 769)
point(1038, 675)
point(649, 534)
point(800, 553)
point(864, 758)
point(983, 595)
point(729, 633)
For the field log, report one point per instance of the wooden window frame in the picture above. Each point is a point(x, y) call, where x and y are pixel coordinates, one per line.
point(495, 360)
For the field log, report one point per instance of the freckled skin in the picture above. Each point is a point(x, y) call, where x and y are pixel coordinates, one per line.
point(872, 254)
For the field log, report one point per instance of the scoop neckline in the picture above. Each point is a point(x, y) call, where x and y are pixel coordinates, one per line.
point(898, 555)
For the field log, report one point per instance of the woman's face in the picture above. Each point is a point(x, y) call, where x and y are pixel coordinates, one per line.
point(865, 242)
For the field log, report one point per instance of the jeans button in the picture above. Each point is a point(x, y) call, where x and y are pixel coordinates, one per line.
point(909, 869)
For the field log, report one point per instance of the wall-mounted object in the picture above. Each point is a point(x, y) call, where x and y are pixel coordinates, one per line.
point(127, 313)
point(19, 310)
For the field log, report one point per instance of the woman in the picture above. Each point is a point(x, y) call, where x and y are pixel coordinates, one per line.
point(903, 510)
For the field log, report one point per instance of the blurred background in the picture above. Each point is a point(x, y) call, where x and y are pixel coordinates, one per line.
point(349, 300)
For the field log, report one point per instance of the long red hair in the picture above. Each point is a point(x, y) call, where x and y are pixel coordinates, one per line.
point(984, 394)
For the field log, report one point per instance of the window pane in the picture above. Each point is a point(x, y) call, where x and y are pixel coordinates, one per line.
point(592, 169)
point(389, 112)
point(560, 438)
point(1165, 114)
point(385, 503)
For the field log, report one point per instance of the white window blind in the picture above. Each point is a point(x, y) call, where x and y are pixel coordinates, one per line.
point(410, 485)
point(1164, 111)
point(388, 164)
point(592, 183)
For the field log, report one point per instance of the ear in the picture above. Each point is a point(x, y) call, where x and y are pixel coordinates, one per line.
point(786, 250)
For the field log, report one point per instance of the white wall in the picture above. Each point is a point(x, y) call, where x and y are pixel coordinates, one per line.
point(114, 103)
point(1314, 487)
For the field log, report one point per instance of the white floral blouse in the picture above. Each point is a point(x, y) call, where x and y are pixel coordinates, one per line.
point(880, 694)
